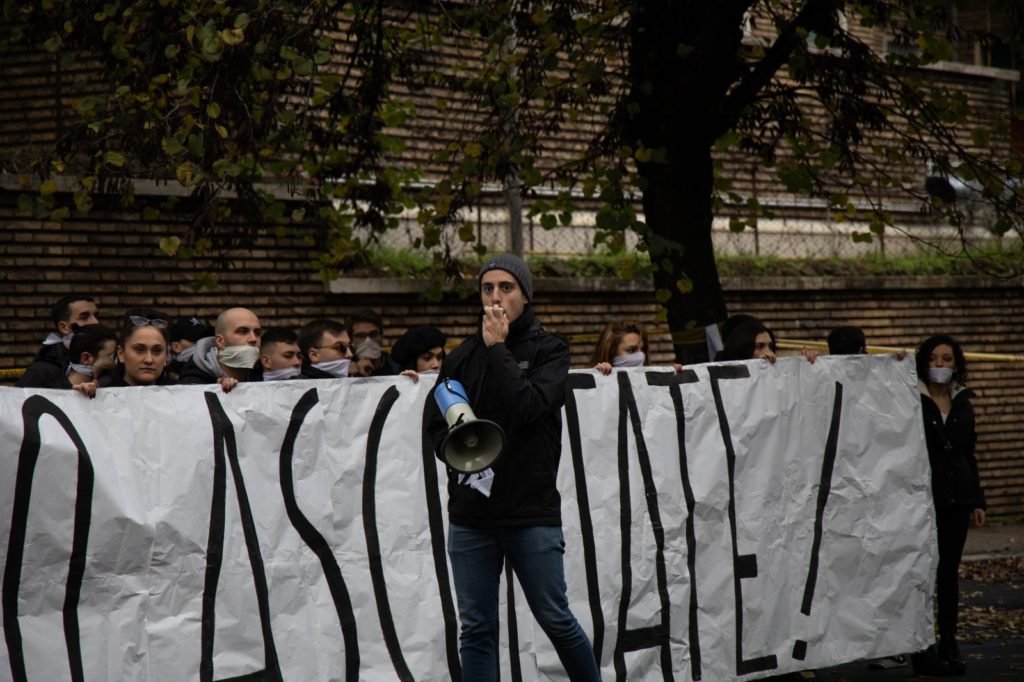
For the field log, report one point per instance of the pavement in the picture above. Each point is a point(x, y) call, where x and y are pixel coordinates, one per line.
point(991, 612)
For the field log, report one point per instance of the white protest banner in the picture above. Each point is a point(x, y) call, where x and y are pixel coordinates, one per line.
point(728, 522)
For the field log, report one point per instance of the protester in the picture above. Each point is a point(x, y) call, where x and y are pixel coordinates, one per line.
point(515, 375)
point(326, 349)
point(746, 338)
point(623, 343)
point(420, 350)
point(847, 340)
point(92, 352)
point(956, 487)
point(367, 335)
point(230, 356)
point(185, 333)
point(142, 351)
point(280, 356)
point(50, 364)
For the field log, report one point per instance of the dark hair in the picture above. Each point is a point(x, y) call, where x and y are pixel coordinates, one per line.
point(312, 333)
point(366, 315)
point(89, 339)
point(276, 335)
point(61, 310)
point(924, 356)
point(742, 339)
point(611, 336)
point(128, 327)
point(415, 342)
point(847, 340)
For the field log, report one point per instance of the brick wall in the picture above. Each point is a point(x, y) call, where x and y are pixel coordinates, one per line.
point(116, 259)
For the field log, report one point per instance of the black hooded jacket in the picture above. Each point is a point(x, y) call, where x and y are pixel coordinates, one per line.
point(520, 385)
point(48, 369)
point(955, 480)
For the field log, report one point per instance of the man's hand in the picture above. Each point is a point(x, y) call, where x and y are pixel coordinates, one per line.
point(978, 517)
point(495, 327)
point(227, 383)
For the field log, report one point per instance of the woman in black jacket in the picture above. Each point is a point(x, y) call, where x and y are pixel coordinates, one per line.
point(956, 487)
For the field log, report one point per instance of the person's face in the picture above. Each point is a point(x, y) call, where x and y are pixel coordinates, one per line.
point(144, 356)
point(331, 347)
point(629, 344)
point(499, 288)
point(431, 360)
point(942, 356)
point(104, 359)
point(241, 328)
point(82, 313)
point(762, 346)
point(281, 355)
point(365, 330)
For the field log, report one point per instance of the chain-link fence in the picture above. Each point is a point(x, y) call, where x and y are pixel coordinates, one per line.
point(802, 236)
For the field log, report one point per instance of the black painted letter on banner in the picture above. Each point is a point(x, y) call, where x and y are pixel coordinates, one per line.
point(224, 434)
point(673, 380)
point(744, 566)
point(572, 420)
point(656, 636)
point(314, 540)
point(32, 411)
point(824, 488)
point(380, 589)
point(435, 521)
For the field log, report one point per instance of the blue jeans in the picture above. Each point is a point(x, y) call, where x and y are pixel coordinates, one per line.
point(535, 554)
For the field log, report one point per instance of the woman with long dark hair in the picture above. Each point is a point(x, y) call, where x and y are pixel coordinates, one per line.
point(956, 487)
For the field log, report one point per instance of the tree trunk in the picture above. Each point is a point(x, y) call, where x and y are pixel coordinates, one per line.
point(677, 207)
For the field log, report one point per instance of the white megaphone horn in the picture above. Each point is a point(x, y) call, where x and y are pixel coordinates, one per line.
point(472, 444)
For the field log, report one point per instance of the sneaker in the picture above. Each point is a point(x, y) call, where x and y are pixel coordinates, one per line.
point(889, 662)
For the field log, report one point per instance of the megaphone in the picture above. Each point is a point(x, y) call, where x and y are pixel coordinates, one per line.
point(472, 444)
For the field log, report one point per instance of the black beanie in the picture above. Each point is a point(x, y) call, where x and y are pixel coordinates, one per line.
point(515, 266)
point(415, 342)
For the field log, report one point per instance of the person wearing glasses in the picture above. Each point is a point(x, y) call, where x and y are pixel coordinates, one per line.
point(230, 355)
point(367, 331)
point(326, 349)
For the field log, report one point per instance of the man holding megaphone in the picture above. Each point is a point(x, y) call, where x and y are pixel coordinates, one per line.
point(511, 373)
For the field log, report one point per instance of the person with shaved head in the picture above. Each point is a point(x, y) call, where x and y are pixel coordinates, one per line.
point(230, 355)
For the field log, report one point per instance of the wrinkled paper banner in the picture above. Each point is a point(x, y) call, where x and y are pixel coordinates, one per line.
point(296, 531)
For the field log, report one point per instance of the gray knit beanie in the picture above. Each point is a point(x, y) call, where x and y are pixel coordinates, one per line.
point(515, 266)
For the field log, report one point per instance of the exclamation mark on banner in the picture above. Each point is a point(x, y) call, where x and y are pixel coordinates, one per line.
point(824, 487)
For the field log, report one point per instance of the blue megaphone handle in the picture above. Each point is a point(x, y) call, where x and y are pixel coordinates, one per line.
point(448, 393)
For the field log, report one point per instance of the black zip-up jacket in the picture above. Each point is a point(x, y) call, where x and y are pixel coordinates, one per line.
point(955, 480)
point(520, 385)
point(48, 369)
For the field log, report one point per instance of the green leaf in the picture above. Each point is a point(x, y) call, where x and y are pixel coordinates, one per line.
point(213, 110)
point(169, 245)
point(114, 158)
point(53, 43)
